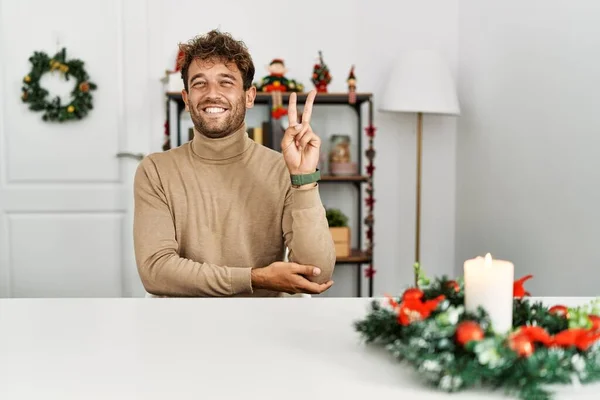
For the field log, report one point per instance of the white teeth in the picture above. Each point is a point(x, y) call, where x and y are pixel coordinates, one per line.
point(214, 110)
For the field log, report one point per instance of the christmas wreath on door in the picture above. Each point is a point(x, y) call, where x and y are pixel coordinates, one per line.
point(38, 98)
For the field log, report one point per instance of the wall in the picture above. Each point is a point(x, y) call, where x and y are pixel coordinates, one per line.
point(368, 35)
point(527, 158)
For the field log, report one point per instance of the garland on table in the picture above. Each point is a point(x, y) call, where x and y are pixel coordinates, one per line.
point(453, 349)
point(37, 97)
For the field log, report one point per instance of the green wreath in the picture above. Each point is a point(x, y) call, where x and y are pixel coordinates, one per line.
point(37, 97)
point(452, 349)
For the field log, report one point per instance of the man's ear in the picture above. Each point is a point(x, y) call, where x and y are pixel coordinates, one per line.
point(250, 96)
point(184, 96)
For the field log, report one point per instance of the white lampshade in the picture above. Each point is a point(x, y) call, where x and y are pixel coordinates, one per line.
point(420, 82)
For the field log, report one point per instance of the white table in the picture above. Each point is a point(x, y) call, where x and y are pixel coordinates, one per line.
point(217, 349)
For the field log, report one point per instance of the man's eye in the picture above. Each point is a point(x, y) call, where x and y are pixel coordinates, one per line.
point(227, 82)
point(198, 84)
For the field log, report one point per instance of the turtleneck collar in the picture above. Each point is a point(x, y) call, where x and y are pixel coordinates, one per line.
point(221, 149)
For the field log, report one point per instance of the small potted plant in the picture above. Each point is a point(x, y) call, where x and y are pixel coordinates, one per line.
point(340, 231)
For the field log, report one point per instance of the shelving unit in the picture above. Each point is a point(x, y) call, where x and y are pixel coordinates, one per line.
point(363, 254)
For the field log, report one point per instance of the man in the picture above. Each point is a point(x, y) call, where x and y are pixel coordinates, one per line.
point(214, 216)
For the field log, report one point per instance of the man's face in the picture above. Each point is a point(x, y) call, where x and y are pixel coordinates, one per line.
point(216, 98)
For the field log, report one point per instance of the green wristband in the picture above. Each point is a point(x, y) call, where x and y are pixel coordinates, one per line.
point(299, 180)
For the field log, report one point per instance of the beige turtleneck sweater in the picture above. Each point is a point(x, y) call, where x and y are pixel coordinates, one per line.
point(208, 211)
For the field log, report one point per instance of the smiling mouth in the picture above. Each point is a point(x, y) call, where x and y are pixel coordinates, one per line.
point(214, 110)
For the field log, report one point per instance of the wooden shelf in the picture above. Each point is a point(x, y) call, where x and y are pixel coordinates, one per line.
point(322, 98)
point(355, 257)
point(343, 178)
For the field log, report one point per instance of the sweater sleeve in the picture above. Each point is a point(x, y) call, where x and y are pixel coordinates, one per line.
point(306, 231)
point(162, 271)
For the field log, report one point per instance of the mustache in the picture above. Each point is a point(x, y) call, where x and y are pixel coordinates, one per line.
point(216, 103)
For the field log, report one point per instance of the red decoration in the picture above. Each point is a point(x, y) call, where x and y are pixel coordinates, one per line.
point(321, 77)
point(370, 271)
point(518, 290)
point(179, 61)
point(167, 142)
point(370, 169)
point(370, 131)
point(278, 112)
point(578, 337)
point(595, 319)
point(521, 345)
point(370, 201)
point(412, 310)
point(277, 83)
point(467, 331)
point(322, 87)
point(453, 285)
point(559, 310)
point(534, 334)
point(392, 302)
point(412, 294)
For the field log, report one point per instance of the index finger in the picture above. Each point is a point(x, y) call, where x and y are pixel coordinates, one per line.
point(308, 106)
point(292, 112)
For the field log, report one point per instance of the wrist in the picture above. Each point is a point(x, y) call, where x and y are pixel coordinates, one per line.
point(304, 187)
point(305, 172)
point(257, 278)
point(306, 180)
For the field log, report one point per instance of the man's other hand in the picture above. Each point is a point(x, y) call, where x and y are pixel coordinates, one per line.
point(290, 278)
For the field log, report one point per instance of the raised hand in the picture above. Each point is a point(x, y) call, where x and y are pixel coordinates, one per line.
point(300, 145)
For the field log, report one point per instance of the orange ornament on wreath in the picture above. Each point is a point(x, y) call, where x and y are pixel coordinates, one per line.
point(468, 331)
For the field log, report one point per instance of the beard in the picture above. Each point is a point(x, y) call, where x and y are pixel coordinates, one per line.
point(215, 127)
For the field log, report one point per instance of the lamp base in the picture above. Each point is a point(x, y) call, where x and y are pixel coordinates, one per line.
point(418, 199)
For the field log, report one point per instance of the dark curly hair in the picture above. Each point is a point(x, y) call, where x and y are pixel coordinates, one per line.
point(220, 46)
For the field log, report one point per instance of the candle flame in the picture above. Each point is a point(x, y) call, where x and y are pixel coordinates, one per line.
point(488, 260)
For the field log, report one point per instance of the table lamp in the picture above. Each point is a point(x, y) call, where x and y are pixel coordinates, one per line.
point(420, 82)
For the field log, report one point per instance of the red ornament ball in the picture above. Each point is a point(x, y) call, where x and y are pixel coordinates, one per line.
point(467, 331)
point(453, 285)
point(559, 310)
point(521, 345)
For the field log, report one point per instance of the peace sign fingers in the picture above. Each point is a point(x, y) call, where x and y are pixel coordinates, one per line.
point(292, 112)
point(308, 106)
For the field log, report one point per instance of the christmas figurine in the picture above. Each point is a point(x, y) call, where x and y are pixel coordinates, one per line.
point(173, 77)
point(321, 76)
point(276, 83)
point(351, 86)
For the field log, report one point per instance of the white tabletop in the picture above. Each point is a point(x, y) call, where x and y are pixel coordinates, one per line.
point(203, 349)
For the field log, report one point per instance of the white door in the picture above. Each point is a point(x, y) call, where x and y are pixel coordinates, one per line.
point(65, 195)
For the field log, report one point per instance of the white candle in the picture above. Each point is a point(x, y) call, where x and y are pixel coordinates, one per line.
point(489, 284)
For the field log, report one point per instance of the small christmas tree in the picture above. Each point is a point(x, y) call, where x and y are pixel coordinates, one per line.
point(321, 76)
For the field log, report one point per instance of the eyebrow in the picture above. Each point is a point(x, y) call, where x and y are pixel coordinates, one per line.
point(201, 75)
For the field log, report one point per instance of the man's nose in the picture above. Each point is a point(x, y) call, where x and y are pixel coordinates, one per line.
point(213, 91)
